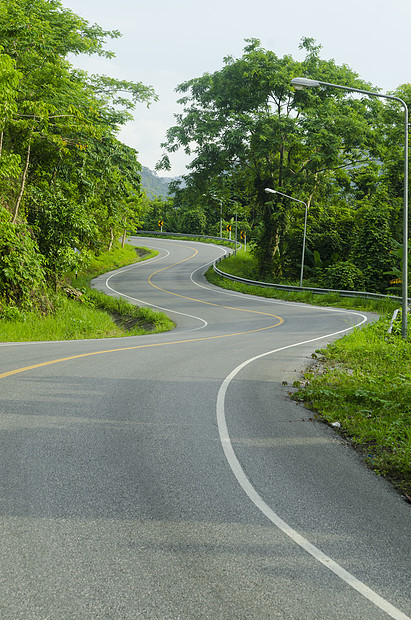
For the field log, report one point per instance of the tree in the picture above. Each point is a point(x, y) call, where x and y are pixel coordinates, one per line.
point(9, 162)
point(373, 242)
point(62, 167)
point(245, 125)
point(58, 109)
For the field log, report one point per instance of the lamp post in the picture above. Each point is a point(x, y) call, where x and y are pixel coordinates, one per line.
point(235, 244)
point(301, 83)
point(268, 190)
point(221, 213)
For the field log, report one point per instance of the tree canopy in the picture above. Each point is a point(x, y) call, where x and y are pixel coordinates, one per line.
point(69, 186)
point(63, 171)
point(247, 129)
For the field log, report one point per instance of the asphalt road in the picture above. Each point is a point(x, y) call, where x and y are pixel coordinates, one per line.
point(170, 476)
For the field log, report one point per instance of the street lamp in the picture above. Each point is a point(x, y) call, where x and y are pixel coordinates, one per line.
point(301, 83)
point(268, 190)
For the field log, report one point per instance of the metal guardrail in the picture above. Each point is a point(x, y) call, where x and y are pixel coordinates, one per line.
point(174, 234)
point(282, 287)
point(393, 318)
point(289, 288)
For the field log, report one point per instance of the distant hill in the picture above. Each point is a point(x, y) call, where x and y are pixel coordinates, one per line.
point(154, 185)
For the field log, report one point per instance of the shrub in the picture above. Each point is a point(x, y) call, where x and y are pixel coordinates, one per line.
point(344, 276)
point(21, 266)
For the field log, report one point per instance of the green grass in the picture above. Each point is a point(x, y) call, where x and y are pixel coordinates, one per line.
point(108, 261)
point(244, 266)
point(363, 382)
point(92, 314)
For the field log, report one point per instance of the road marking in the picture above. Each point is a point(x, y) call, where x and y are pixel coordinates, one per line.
point(141, 301)
point(207, 303)
point(16, 371)
point(258, 501)
point(226, 443)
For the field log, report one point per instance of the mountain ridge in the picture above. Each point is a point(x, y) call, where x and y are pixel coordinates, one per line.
point(154, 185)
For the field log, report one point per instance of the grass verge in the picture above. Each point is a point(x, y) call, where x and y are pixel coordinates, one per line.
point(243, 266)
point(89, 313)
point(361, 385)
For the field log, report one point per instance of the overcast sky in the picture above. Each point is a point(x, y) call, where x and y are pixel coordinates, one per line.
point(166, 42)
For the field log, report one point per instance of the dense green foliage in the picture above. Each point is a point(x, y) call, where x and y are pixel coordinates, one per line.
point(86, 312)
point(68, 186)
point(247, 129)
point(21, 266)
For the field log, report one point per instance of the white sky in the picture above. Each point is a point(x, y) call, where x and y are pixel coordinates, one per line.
point(166, 42)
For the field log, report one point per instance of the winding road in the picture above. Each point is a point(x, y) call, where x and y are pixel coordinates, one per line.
point(170, 476)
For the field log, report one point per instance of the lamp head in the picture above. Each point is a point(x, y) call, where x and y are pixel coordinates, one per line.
point(301, 83)
point(268, 190)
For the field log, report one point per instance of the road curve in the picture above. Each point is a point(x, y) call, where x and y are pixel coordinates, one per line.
point(169, 476)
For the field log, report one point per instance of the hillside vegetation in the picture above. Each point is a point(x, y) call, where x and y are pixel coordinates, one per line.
point(154, 185)
point(77, 311)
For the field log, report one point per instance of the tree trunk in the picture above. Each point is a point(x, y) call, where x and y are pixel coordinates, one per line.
point(23, 183)
point(111, 239)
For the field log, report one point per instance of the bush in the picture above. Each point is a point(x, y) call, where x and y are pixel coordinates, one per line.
point(344, 276)
point(22, 280)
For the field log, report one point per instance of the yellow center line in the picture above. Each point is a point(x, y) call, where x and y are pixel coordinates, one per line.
point(159, 344)
point(200, 301)
point(140, 346)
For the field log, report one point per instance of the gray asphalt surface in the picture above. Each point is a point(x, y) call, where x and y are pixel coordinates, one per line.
point(170, 476)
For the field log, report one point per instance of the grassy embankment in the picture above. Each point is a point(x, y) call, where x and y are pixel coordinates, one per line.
point(361, 383)
point(91, 314)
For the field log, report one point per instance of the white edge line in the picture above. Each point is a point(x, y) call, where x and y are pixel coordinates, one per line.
point(258, 501)
point(244, 482)
point(280, 302)
point(141, 301)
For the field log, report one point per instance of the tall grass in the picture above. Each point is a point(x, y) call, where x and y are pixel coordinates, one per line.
point(92, 314)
